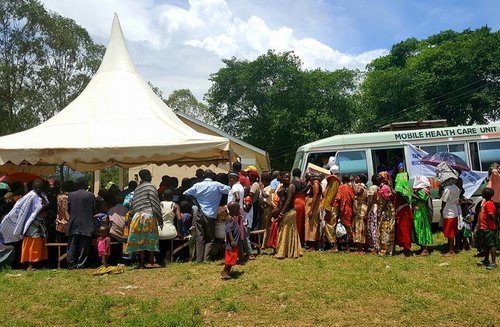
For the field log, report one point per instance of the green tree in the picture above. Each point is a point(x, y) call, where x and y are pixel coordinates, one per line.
point(46, 60)
point(274, 104)
point(184, 101)
point(450, 75)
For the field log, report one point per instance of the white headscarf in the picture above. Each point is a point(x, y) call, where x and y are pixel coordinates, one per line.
point(421, 182)
point(334, 169)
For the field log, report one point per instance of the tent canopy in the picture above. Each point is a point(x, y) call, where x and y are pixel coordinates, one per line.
point(116, 120)
point(247, 152)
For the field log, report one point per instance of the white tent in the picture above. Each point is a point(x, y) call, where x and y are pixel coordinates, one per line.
point(116, 120)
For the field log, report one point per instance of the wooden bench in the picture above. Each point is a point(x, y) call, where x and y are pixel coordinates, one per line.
point(258, 245)
point(178, 248)
point(62, 255)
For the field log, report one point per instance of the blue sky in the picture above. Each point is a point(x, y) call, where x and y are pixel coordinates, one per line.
point(179, 43)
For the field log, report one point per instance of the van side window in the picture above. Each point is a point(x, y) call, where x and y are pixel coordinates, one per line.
point(352, 162)
point(489, 152)
point(320, 158)
point(456, 149)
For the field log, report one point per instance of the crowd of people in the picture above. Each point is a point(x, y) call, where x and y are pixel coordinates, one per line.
point(315, 213)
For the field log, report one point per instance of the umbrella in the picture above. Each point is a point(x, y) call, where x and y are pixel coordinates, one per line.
point(18, 177)
point(454, 161)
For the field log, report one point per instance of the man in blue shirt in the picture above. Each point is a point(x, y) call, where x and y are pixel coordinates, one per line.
point(207, 194)
point(275, 182)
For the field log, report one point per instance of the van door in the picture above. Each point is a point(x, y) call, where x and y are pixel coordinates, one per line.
point(387, 159)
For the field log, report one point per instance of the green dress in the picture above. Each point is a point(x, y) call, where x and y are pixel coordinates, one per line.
point(421, 220)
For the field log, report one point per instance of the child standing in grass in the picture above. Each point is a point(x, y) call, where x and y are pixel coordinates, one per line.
point(486, 233)
point(104, 244)
point(233, 236)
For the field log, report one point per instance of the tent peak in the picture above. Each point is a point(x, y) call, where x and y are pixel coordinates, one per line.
point(117, 56)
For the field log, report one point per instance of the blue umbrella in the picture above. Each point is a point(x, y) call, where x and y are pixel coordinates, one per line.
point(454, 161)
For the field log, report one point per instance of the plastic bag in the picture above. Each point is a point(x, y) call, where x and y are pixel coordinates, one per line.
point(340, 231)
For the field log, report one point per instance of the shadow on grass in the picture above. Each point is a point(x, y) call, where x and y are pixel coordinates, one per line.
point(236, 274)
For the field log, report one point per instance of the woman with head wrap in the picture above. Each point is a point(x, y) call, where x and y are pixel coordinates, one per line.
point(422, 214)
point(450, 198)
point(146, 216)
point(404, 215)
point(313, 199)
point(299, 203)
point(329, 212)
point(386, 214)
point(345, 202)
point(255, 192)
point(288, 243)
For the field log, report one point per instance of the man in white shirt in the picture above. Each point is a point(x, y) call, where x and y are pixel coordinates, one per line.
point(237, 192)
point(449, 211)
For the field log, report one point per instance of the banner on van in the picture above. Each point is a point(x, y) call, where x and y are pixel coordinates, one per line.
point(472, 179)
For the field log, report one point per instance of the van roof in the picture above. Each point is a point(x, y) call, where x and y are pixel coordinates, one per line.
point(435, 135)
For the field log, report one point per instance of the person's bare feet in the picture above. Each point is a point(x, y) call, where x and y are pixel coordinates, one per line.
point(251, 257)
point(224, 275)
point(152, 265)
point(425, 253)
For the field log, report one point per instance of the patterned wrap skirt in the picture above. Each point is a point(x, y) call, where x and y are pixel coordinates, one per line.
point(373, 232)
point(311, 224)
point(386, 238)
point(143, 233)
point(360, 223)
point(288, 238)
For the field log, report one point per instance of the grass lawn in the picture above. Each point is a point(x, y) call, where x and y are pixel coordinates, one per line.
point(320, 289)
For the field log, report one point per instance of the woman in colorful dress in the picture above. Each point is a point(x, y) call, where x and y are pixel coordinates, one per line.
point(360, 215)
point(62, 217)
point(313, 199)
point(372, 233)
point(329, 212)
point(386, 214)
point(146, 218)
point(288, 245)
point(345, 203)
point(299, 203)
point(422, 214)
point(266, 203)
point(33, 248)
point(404, 214)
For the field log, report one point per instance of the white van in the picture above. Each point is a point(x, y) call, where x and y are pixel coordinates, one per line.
point(369, 153)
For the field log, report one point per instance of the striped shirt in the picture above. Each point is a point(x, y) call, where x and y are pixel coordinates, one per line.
point(146, 198)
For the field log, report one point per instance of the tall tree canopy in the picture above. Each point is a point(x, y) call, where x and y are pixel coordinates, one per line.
point(183, 100)
point(450, 75)
point(46, 61)
point(274, 104)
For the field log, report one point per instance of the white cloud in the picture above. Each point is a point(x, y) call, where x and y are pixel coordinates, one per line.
point(179, 47)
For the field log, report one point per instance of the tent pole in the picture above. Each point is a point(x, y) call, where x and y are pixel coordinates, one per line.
point(229, 159)
point(97, 182)
point(120, 178)
point(61, 173)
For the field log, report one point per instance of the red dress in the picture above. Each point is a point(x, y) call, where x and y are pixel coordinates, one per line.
point(345, 200)
point(404, 223)
point(299, 205)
